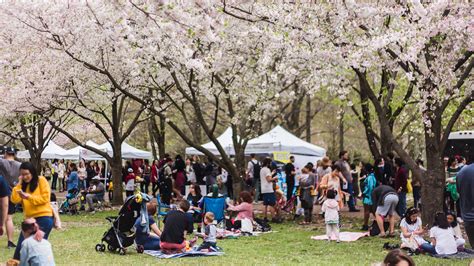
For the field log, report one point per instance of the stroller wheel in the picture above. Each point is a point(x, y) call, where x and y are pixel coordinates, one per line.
point(111, 248)
point(103, 247)
point(122, 251)
point(98, 248)
point(140, 249)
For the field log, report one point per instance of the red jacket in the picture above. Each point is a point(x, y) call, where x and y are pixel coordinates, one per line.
point(130, 176)
point(401, 179)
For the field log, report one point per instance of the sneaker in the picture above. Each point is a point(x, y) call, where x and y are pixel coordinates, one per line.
point(365, 228)
point(11, 245)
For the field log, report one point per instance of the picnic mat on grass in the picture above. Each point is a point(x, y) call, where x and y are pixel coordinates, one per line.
point(192, 253)
point(466, 254)
point(344, 236)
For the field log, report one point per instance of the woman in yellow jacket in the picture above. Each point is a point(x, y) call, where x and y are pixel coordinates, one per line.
point(33, 193)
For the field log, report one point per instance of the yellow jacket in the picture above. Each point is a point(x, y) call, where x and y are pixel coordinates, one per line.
point(38, 204)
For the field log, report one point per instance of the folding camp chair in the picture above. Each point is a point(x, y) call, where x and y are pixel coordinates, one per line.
point(216, 206)
point(162, 211)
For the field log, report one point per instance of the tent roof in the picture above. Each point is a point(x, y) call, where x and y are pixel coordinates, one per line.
point(128, 151)
point(279, 139)
point(225, 139)
point(79, 151)
point(51, 151)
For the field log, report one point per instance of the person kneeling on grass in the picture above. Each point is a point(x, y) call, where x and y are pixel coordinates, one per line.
point(149, 239)
point(210, 233)
point(177, 224)
point(443, 241)
point(35, 250)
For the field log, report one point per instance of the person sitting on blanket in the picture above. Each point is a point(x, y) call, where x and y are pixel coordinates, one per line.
point(452, 220)
point(412, 230)
point(210, 233)
point(442, 237)
point(244, 209)
point(149, 240)
point(174, 232)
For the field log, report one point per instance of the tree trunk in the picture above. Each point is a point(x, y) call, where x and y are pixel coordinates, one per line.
point(116, 168)
point(152, 139)
point(341, 132)
point(161, 141)
point(385, 143)
point(308, 119)
point(432, 192)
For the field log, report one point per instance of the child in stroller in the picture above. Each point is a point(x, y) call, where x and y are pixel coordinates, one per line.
point(69, 205)
point(121, 234)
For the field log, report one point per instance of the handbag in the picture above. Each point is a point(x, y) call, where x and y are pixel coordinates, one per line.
point(409, 186)
point(57, 219)
point(313, 192)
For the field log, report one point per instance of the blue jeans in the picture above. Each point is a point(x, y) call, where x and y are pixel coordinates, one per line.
point(416, 196)
point(426, 247)
point(152, 243)
point(402, 204)
point(45, 223)
point(350, 190)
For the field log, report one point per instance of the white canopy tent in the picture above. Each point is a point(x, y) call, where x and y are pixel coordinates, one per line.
point(279, 139)
point(128, 151)
point(225, 139)
point(51, 151)
point(81, 152)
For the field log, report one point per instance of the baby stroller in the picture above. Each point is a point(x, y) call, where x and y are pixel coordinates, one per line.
point(121, 235)
point(69, 205)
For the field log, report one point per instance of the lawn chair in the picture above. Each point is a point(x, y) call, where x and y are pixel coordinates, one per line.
point(162, 210)
point(216, 206)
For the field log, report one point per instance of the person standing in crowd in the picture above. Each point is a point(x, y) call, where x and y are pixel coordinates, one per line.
point(307, 189)
point(95, 193)
point(385, 200)
point(35, 250)
point(34, 194)
point(416, 183)
point(253, 173)
point(346, 172)
point(400, 185)
point(451, 193)
point(390, 170)
point(369, 185)
point(166, 182)
point(10, 170)
point(55, 167)
point(82, 174)
point(190, 174)
point(268, 193)
point(382, 172)
point(90, 169)
point(211, 173)
point(129, 183)
point(146, 177)
point(4, 196)
point(179, 173)
point(155, 170)
point(46, 169)
point(61, 175)
point(290, 173)
point(333, 181)
point(72, 181)
point(355, 181)
point(465, 186)
point(198, 168)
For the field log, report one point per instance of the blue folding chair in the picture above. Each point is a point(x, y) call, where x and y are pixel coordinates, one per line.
point(162, 211)
point(216, 206)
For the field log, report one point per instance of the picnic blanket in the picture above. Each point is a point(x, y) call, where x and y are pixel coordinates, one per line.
point(465, 254)
point(192, 253)
point(344, 236)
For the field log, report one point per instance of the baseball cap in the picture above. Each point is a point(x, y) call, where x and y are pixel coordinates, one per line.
point(9, 150)
point(130, 170)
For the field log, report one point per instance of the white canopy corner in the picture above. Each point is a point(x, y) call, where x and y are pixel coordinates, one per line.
point(128, 151)
point(51, 151)
point(225, 139)
point(81, 152)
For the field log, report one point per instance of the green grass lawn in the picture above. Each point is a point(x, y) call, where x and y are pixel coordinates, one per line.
point(289, 245)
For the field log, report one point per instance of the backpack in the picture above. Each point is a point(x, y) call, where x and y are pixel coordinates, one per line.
point(256, 170)
point(374, 228)
point(161, 174)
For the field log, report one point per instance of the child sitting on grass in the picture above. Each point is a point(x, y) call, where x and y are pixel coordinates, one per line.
point(177, 224)
point(210, 233)
point(331, 215)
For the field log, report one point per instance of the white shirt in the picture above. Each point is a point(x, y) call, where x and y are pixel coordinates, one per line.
point(412, 228)
point(445, 242)
point(250, 167)
point(266, 187)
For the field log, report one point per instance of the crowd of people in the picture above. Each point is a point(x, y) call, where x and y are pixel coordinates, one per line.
point(381, 188)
